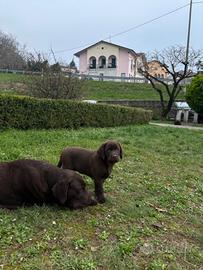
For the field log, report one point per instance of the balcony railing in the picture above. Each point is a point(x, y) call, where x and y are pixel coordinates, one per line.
point(102, 66)
point(111, 66)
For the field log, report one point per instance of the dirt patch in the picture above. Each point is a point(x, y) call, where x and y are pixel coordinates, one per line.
point(21, 88)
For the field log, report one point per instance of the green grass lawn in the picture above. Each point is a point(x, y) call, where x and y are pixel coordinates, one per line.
point(116, 90)
point(12, 78)
point(152, 218)
point(14, 83)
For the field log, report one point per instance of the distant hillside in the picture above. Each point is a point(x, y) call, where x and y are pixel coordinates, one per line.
point(98, 90)
point(116, 90)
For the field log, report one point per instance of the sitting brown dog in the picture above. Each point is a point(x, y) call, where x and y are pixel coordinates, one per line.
point(96, 164)
point(28, 182)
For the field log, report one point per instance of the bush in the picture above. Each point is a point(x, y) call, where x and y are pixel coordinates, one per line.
point(55, 85)
point(29, 113)
point(194, 94)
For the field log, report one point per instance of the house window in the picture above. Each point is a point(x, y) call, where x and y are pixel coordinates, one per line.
point(112, 61)
point(102, 62)
point(92, 62)
point(131, 64)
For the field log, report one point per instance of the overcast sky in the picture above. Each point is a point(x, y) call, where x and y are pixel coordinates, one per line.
point(63, 24)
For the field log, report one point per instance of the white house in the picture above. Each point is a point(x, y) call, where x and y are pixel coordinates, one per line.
point(108, 59)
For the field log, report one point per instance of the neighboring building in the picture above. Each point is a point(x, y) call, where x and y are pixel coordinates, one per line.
point(156, 70)
point(108, 59)
point(69, 69)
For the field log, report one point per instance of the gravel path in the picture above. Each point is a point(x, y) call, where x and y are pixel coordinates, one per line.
point(176, 126)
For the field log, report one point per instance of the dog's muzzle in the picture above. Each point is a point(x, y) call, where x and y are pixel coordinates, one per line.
point(114, 158)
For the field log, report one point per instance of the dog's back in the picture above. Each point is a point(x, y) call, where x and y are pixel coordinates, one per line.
point(77, 159)
point(23, 181)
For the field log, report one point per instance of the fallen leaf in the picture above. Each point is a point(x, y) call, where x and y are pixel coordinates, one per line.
point(93, 249)
point(157, 208)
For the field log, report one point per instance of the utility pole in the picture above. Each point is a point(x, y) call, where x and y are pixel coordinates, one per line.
point(188, 35)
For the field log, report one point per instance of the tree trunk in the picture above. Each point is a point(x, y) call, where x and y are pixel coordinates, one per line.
point(167, 110)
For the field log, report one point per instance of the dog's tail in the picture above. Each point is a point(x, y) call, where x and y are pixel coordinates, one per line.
point(59, 163)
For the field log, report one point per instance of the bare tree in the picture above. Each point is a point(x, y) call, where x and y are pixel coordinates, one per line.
point(55, 85)
point(11, 55)
point(172, 59)
point(48, 81)
point(37, 62)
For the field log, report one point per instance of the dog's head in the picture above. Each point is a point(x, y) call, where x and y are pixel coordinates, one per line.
point(71, 192)
point(110, 151)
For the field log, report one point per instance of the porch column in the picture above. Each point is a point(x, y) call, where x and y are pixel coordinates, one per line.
point(195, 119)
point(186, 114)
point(178, 115)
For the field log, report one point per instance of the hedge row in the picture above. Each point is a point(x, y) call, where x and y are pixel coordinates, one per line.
point(30, 113)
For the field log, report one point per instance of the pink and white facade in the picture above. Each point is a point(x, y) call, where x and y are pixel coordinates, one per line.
point(108, 59)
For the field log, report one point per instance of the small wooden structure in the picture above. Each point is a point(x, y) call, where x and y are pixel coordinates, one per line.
point(183, 110)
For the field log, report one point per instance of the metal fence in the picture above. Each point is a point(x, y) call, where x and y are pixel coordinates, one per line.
point(126, 79)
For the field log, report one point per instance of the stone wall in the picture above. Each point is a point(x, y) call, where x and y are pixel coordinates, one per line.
point(153, 105)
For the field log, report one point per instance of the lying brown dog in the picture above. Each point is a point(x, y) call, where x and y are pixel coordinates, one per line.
point(28, 182)
point(96, 164)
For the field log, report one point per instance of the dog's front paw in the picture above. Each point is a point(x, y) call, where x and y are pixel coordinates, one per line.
point(93, 202)
point(101, 199)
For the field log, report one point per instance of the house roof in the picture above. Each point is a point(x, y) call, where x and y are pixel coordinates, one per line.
point(182, 105)
point(102, 41)
point(155, 61)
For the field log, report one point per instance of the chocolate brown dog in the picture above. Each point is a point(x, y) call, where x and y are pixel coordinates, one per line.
point(96, 164)
point(28, 182)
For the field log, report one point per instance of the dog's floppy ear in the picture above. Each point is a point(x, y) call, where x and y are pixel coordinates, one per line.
point(101, 151)
point(60, 190)
point(121, 151)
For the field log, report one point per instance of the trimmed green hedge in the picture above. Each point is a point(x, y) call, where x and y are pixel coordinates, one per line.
point(29, 113)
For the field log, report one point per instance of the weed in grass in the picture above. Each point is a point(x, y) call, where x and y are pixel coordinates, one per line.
point(157, 264)
point(79, 243)
point(93, 222)
point(62, 260)
point(104, 235)
point(194, 255)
